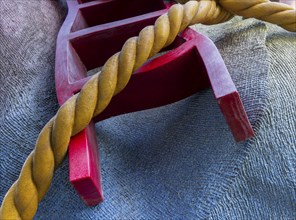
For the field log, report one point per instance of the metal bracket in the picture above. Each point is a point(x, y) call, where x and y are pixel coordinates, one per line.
point(95, 30)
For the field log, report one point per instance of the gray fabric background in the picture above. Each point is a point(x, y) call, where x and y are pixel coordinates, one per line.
point(178, 161)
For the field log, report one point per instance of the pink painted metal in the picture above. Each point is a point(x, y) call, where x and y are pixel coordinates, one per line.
point(92, 32)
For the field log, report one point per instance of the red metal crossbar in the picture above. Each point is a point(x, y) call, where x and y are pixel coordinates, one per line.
point(95, 30)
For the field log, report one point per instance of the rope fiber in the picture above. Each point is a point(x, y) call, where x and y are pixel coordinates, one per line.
point(21, 200)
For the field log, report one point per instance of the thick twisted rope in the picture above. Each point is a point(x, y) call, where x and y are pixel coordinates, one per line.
point(273, 12)
point(21, 201)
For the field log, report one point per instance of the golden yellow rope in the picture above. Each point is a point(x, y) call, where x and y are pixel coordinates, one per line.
point(273, 12)
point(21, 201)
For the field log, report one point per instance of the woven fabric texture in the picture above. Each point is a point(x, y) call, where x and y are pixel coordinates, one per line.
point(178, 161)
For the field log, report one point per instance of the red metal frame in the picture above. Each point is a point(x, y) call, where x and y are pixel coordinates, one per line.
point(91, 34)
